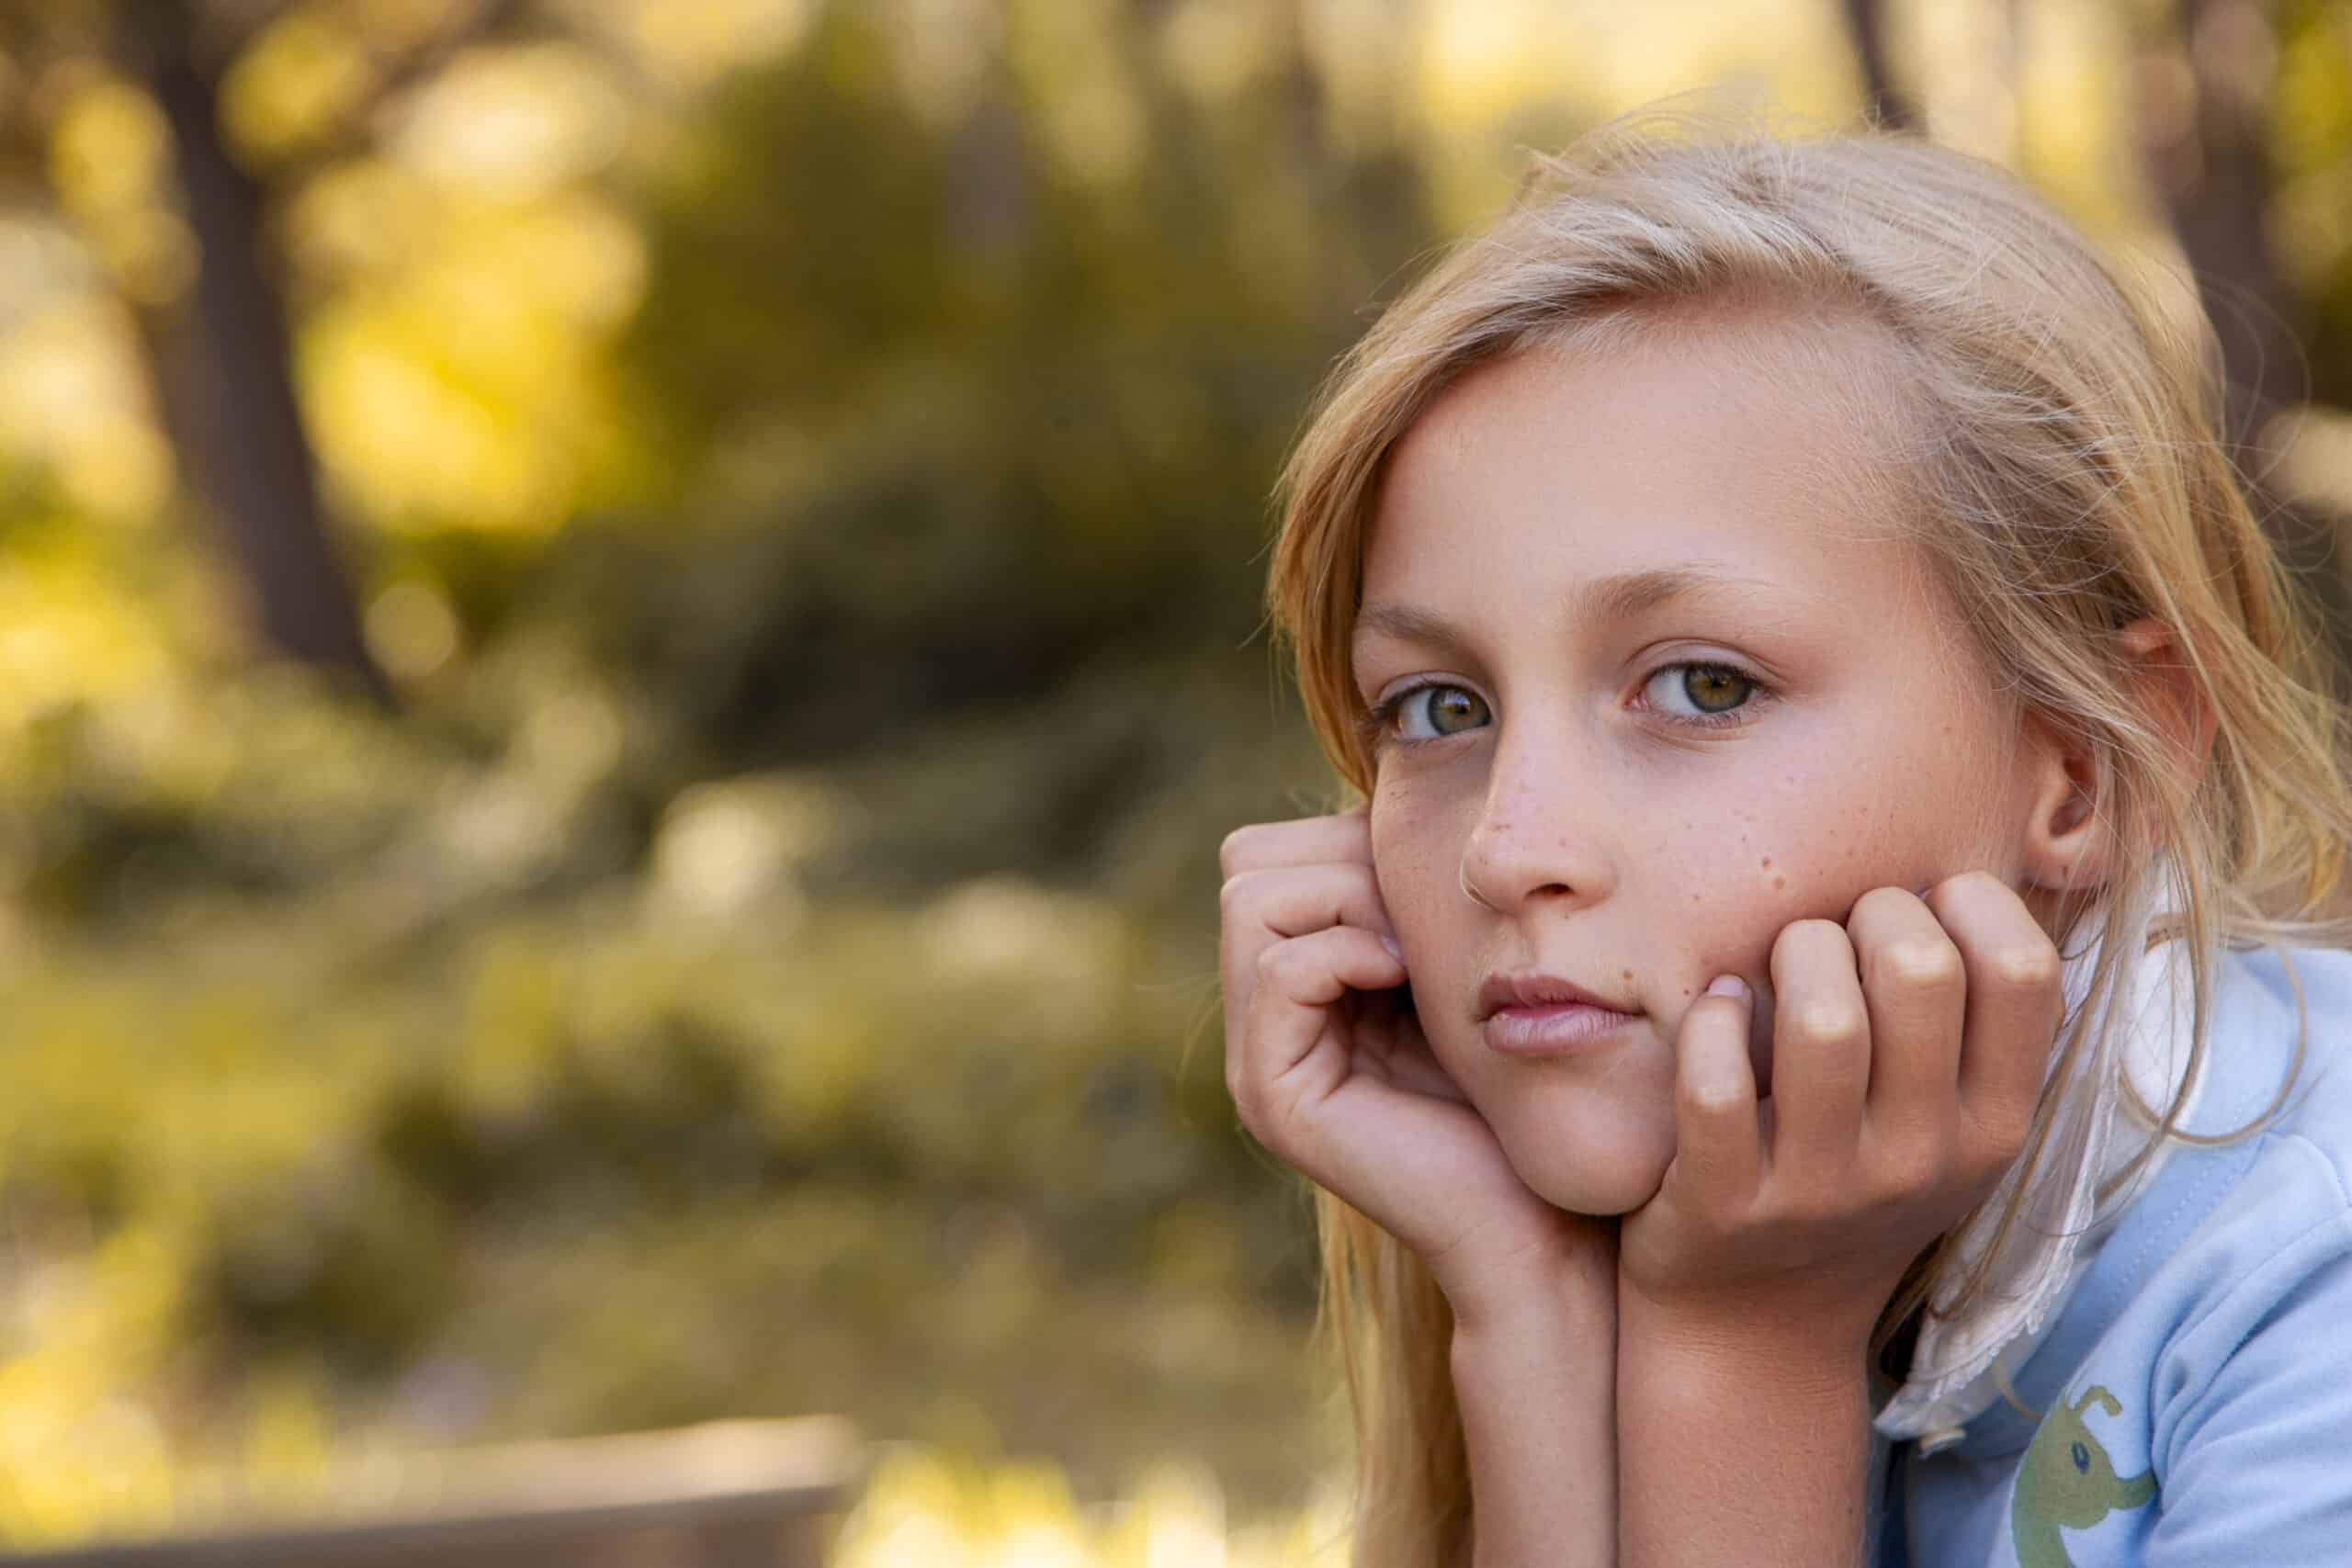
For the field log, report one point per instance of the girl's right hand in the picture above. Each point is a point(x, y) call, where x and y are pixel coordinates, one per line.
point(1329, 1069)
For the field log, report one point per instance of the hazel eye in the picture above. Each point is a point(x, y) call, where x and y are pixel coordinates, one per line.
point(1433, 713)
point(1700, 693)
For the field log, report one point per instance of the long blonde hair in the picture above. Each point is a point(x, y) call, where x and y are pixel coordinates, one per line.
point(2057, 462)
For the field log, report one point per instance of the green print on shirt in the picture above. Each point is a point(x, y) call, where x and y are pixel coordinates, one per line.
point(2066, 1479)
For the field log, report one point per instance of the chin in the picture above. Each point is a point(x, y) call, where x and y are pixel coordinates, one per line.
point(1601, 1175)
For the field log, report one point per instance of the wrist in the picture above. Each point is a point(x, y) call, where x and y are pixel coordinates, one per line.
point(1803, 1351)
point(1782, 1416)
point(1573, 1291)
point(1776, 1371)
point(1508, 1333)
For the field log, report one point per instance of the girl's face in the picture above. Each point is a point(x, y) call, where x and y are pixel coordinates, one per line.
point(1658, 692)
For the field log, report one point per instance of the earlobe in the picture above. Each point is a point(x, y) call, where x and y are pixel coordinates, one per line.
point(2066, 842)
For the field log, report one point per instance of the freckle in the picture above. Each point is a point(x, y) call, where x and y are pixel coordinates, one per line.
point(1779, 882)
point(1628, 973)
point(1767, 863)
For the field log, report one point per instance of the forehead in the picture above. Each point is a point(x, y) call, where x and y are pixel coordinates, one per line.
point(1712, 445)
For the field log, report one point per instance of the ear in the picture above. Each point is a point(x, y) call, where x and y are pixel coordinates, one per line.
point(2067, 846)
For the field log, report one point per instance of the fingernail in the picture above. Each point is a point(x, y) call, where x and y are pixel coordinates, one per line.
point(1728, 985)
point(1390, 943)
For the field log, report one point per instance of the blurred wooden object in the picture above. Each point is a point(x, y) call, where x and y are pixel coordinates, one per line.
point(725, 1494)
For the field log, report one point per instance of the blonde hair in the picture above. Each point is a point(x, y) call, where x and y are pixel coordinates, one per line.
point(2054, 457)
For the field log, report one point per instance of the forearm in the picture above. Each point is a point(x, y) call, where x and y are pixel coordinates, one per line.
point(1537, 1391)
point(1735, 1454)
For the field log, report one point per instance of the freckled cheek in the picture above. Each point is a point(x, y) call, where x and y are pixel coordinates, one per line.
point(1807, 865)
point(1779, 861)
point(1409, 858)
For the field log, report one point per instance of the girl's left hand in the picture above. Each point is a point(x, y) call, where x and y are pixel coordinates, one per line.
point(1909, 1048)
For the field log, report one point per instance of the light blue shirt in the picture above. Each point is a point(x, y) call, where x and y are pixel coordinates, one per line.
point(2195, 1392)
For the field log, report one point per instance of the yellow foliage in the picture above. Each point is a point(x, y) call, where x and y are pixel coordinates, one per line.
point(924, 1509)
point(70, 396)
point(301, 78)
point(108, 161)
point(76, 1443)
point(68, 635)
point(109, 148)
point(467, 384)
point(686, 44)
point(513, 122)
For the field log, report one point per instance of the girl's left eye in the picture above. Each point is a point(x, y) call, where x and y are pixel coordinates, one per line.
point(1701, 693)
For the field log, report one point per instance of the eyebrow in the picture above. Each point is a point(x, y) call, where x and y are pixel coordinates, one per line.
point(1618, 596)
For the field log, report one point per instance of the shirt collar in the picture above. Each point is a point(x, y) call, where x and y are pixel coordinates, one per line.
point(1960, 1363)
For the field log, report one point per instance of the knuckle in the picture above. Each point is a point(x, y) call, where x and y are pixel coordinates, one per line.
point(1969, 885)
point(1710, 1100)
point(1826, 1021)
point(1234, 852)
point(1240, 887)
point(2025, 966)
point(1920, 965)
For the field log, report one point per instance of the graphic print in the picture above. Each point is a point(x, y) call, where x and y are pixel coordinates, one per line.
point(2067, 1479)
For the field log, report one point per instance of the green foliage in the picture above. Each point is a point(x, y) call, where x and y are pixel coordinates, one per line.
point(770, 966)
point(981, 425)
point(504, 1146)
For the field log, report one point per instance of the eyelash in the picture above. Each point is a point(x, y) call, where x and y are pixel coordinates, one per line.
point(1379, 719)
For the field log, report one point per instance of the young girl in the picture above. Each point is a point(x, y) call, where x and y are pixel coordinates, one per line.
point(1840, 765)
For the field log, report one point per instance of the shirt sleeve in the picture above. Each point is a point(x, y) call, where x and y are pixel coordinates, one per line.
point(2252, 1440)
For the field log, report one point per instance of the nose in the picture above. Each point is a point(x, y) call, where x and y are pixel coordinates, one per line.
point(1540, 837)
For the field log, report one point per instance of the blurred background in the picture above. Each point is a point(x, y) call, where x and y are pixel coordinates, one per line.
point(627, 628)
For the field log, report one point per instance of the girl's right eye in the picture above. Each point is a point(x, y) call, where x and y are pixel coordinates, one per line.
point(1408, 719)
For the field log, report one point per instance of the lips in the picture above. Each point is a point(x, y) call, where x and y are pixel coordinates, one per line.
point(1534, 1014)
point(1529, 989)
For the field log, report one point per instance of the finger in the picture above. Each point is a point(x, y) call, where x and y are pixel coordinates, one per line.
point(1915, 988)
point(1392, 1044)
point(1289, 1014)
point(1821, 1043)
point(1718, 1146)
point(1294, 901)
point(1258, 846)
point(2015, 1003)
point(1260, 908)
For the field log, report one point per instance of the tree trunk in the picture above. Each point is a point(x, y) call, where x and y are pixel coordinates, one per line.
point(1885, 104)
point(225, 379)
